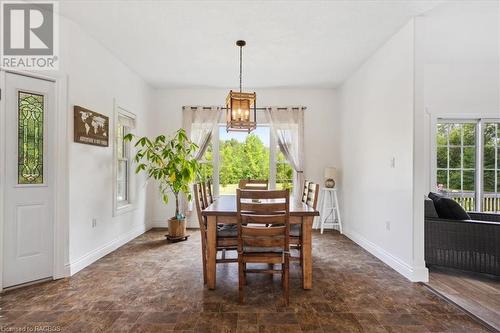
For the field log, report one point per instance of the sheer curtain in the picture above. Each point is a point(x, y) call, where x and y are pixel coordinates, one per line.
point(287, 125)
point(199, 123)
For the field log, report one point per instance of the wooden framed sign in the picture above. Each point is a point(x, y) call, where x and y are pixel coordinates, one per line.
point(90, 127)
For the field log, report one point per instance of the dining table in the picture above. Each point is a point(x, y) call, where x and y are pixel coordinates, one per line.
point(224, 211)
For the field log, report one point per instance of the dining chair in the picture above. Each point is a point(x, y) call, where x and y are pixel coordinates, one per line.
point(253, 184)
point(227, 239)
point(258, 243)
point(207, 193)
point(311, 200)
point(305, 190)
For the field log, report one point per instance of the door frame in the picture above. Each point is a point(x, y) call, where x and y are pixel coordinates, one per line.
point(60, 202)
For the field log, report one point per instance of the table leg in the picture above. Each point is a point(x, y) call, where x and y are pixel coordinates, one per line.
point(211, 250)
point(307, 252)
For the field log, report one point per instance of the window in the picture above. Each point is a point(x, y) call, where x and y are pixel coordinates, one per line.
point(491, 164)
point(30, 130)
point(467, 167)
point(238, 155)
point(123, 196)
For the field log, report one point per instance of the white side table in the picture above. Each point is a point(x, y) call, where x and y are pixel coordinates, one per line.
point(329, 213)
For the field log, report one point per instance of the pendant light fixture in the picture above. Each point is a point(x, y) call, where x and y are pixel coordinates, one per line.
point(241, 106)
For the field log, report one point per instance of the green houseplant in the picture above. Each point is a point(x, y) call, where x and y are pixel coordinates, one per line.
point(169, 161)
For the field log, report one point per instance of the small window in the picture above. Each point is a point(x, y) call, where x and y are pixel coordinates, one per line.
point(123, 195)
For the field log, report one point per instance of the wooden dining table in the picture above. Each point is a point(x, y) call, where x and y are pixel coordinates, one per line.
point(223, 211)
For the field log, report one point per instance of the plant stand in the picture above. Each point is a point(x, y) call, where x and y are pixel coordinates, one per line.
point(175, 239)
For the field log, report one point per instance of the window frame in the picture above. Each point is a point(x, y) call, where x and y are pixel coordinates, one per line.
point(479, 163)
point(123, 206)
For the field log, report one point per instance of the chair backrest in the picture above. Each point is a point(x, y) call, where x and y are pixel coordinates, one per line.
point(256, 210)
point(305, 191)
point(207, 193)
point(312, 195)
point(253, 184)
point(199, 203)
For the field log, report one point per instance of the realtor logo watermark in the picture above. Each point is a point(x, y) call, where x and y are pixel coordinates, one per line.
point(29, 35)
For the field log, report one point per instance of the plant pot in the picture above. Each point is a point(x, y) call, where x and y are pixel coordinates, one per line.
point(176, 228)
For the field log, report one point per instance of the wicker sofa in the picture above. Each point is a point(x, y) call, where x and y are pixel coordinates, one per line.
point(470, 245)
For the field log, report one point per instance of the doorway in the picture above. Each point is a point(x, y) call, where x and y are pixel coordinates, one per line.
point(30, 133)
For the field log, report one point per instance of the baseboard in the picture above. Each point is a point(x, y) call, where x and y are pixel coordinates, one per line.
point(96, 254)
point(414, 274)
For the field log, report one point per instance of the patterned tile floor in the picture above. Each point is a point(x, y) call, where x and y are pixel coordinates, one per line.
point(151, 286)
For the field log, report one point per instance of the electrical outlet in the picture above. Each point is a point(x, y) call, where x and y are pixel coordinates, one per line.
point(388, 225)
point(94, 222)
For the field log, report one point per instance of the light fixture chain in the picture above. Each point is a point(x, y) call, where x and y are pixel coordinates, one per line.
point(241, 64)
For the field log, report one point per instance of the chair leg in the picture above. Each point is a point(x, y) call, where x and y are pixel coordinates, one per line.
point(204, 262)
point(245, 274)
point(241, 280)
point(285, 277)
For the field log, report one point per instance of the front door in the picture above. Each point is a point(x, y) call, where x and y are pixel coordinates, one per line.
point(28, 230)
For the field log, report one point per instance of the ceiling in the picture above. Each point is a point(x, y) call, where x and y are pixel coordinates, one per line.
point(289, 43)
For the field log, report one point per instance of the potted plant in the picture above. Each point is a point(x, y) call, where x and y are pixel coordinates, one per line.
point(169, 161)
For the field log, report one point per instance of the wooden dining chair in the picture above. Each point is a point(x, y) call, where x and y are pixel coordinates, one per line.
point(207, 193)
point(253, 184)
point(227, 239)
point(296, 230)
point(305, 191)
point(258, 243)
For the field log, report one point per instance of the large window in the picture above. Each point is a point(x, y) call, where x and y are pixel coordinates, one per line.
point(239, 155)
point(467, 163)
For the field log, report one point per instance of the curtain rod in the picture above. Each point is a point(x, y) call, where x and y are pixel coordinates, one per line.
point(259, 109)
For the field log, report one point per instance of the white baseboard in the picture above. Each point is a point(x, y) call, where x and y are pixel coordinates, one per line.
point(414, 274)
point(94, 255)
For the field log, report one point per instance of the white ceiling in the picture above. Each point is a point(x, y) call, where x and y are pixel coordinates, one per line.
point(289, 43)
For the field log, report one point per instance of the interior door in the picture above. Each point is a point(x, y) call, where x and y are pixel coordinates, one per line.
point(28, 229)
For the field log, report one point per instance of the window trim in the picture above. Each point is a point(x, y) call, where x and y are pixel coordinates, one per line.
point(479, 121)
point(119, 209)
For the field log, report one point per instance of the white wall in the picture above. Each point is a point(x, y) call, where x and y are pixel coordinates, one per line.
point(95, 79)
point(460, 62)
point(321, 128)
point(376, 105)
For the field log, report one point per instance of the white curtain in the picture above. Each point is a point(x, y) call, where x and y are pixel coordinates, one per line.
point(287, 125)
point(199, 123)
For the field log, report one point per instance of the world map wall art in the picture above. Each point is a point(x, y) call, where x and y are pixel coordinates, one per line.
point(90, 127)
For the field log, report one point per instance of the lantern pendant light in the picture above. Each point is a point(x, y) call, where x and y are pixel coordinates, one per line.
point(241, 106)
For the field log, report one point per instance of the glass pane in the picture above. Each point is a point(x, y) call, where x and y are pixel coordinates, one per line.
point(442, 180)
point(241, 156)
point(489, 134)
point(119, 141)
point(442, 135)
point(498, 183)
point(469, 180)
point(284, 173)
point(455, 134)
point(121, 174)
point(455, 157)
point(30, 138)
point(469, 158)
point(121, 191)
point(455, 180)
point(489, 181)
point(489, 157)
point(442, 157)
point(469, 134)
